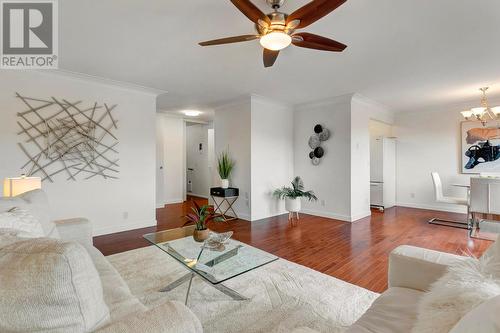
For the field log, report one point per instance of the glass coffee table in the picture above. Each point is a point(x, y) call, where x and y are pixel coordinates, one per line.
point(213, 266)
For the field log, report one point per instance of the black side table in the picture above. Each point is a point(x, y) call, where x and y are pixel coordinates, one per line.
point(227, 196)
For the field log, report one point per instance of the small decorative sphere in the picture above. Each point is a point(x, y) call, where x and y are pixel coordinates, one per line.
point(324, 135)
point(319, 152)
point(318, 129)
point(314, 141)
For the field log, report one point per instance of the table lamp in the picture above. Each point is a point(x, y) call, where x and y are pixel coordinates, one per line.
point(19, 185)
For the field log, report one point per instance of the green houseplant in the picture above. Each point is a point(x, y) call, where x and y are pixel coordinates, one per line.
point(292, 195)
point(225, 167)
point(200, 217)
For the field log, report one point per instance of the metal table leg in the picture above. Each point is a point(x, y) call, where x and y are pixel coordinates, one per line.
point(177, 283)
point(229, 292)
point(189, 288)
point(220, 287)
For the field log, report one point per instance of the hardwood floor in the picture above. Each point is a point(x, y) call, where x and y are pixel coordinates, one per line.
point(354, 252)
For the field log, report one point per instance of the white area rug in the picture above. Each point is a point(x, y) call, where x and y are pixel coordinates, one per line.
point(284, 297)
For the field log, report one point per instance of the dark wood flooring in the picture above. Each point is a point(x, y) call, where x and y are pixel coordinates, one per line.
point(354, 252)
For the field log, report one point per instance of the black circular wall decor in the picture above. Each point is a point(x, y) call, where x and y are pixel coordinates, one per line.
point(319, 152)
point(320, 135)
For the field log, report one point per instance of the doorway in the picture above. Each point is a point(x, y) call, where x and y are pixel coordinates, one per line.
point(199, 159)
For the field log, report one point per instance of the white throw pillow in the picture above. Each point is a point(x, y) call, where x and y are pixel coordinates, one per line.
point(37, 203)
point(466, 285)
point(21, 220)
point(482, 319)
point(49, 286)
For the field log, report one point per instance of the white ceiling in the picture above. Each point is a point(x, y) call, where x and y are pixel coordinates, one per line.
point(406, 54)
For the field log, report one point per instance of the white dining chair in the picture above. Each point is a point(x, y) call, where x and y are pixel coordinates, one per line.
point(485, 198)
point(441, 198)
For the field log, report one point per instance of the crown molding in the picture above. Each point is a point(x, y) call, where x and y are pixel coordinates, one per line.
point(342, 99)
point(104, 81)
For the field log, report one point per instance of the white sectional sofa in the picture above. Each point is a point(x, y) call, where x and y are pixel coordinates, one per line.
point(412, 271)
point(62, 283)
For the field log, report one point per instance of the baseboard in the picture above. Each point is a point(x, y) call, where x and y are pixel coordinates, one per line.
point(245, 217)
point(273, 215)
point(198, 195)
point(123, 227)
point(451, 209)
point(360, 216)
point(329, 215)
point(169, 202)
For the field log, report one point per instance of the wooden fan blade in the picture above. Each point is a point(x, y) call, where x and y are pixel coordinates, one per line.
point(251, 11)
point(313, 11)
point(228, 40)
point(312, 41)
point(270, 57)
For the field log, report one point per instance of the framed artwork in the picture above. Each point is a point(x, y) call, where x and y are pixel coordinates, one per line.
point(480, 147)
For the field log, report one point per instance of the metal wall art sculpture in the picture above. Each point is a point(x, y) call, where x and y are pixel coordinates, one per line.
point(60, 137)
point(320, 135)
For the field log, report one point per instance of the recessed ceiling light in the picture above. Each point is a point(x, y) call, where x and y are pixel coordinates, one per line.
point(192, 113)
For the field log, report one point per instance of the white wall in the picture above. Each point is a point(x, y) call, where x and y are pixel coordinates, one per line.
point(170, 134)
point(429, 140)
point(232, 133)
point(112, 205)
point(342, 180)
point(331, 179)
point(271, 155)
point(197, 159)
point(362, 111)
point(378, 129)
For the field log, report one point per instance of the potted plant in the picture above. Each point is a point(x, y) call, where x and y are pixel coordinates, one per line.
point(293, 194)
point(200, 217)
point(225, 166)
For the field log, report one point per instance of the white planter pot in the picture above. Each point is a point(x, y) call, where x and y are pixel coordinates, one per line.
point(224, 183)
point(293, 205)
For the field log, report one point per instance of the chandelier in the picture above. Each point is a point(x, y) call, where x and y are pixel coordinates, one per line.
point(483, 113)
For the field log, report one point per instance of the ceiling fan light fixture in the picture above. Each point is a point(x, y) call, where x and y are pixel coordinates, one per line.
point(275, 41)
point(191, 113)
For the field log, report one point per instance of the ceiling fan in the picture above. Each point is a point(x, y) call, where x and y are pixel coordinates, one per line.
point(276, 30)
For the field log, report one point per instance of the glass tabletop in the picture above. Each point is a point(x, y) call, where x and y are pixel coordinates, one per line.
point(215, 266)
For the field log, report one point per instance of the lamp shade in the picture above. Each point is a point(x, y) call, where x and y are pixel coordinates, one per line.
point(16, 186)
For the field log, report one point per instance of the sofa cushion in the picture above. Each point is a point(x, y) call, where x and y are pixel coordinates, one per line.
point(21, 220)
point(117, 295)
point(393, 311)
point(482, 319)
point(49, 286)
point(37, 204)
